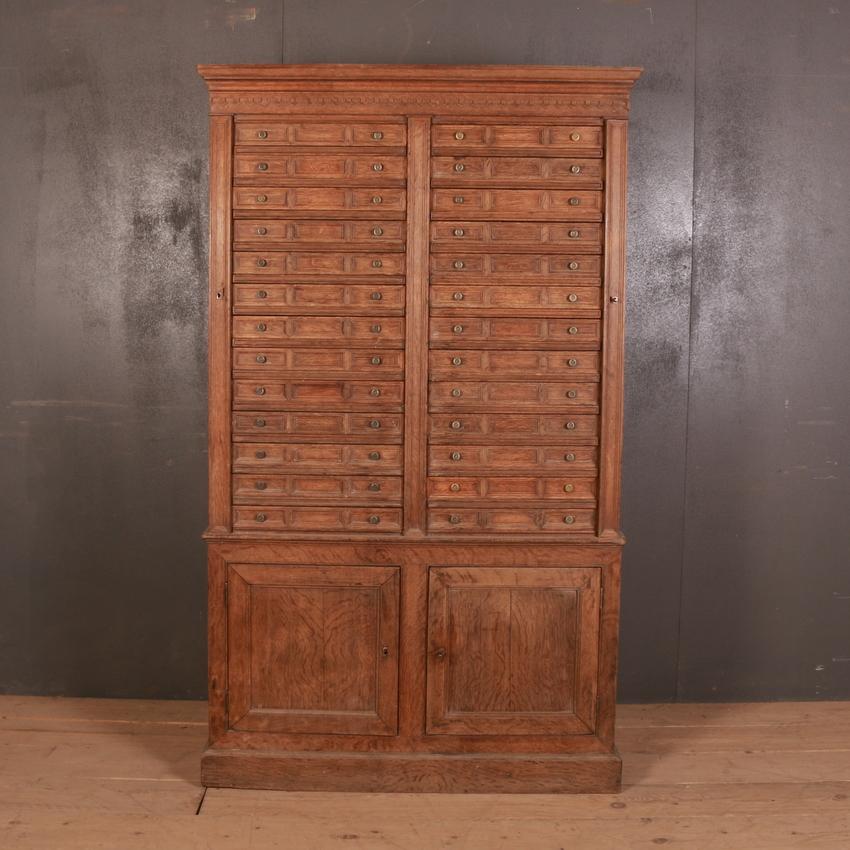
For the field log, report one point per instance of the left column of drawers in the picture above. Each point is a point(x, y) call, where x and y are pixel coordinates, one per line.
point(318, 295)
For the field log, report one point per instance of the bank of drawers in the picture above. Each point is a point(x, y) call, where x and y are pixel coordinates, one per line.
point(318, 325)
point(515, 335)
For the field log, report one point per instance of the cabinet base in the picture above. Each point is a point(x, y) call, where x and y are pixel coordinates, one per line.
point(416, 772)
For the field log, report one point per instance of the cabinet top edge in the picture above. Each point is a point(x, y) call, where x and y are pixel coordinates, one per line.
point(502, 74)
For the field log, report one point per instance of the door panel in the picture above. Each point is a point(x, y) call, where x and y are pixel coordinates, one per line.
point(313, 649)
point(512, 651)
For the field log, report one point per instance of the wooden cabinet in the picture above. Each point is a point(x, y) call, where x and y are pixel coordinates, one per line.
point(416, 348)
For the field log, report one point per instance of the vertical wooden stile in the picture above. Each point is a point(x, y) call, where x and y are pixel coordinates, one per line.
point(221, 146)
point(416, 325)
point(613, 329)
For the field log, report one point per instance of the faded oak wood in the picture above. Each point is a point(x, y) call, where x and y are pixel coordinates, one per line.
point(416, 378)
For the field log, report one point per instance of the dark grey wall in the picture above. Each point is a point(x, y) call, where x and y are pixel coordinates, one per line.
point(737, 441)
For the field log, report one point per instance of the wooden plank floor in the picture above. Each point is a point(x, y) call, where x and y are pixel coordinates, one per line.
point(87, 774)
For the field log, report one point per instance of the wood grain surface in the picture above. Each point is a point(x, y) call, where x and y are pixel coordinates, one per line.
point(123, 774)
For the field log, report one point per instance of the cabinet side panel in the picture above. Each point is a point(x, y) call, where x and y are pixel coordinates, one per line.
point(217, 643)
point(221, 147)
point(611, 435)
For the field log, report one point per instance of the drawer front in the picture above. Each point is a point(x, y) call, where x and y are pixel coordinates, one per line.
point(513, 427)
point(524, 171)
point(454, 459)
point(308, 168)
point(281, 394)
point(541, 139)
point(386, 427)
point(539, 237)
point(341, 331)
point(517, 488)
point(503, 365)
point(511, 520)
point(512, 395)
point(548, 204)
point(322, 200)
point(316, 519)
point(519, 332)
point(274, 233)
point(514, 300)
point(282, 263)
point(515, 269)
point(374, 299)
point(378, 134)
point(317, 489)
point(320, 362)
point(383, 459)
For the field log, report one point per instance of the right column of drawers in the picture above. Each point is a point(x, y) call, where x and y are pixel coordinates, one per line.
point(515, 326)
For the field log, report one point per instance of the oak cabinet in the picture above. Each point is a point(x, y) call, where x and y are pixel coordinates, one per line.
point(417, 294)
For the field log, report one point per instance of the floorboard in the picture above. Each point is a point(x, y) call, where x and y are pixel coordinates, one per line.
point(87, 774)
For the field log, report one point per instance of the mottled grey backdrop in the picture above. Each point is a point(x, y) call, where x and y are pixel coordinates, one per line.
point(736, 478)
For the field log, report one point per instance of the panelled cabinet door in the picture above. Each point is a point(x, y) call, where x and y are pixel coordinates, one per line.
point(512, 651)
point(313, 649)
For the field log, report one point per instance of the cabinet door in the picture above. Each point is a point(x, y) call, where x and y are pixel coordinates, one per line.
point(313, 649)
point(512, 651)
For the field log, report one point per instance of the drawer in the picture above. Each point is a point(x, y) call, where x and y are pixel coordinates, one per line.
point(276, 233)
point(513, 427)
point(514, 300)
point(540, 139)
point(319, 489)
point(549, 204)
point(512, 395)
point(331, 427)
point(535, 236)
point(321, 200)
point(453, 489)
point(516, 269)
point(263, 518)
point(511, 520)
point(503, 365)
point(317, 168)
point(339, 331)
point(454, 459)
point(320, 362)
point(381, 459)
point(377, 134)
point(309, 264)
point(518, 332)
point(282, 394)
point(369, 299)
point(523, 171)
